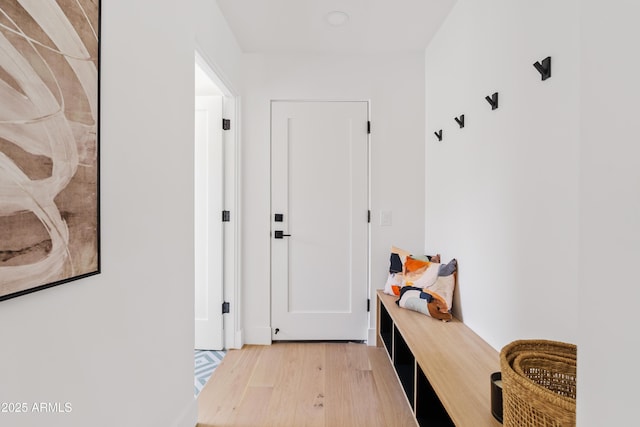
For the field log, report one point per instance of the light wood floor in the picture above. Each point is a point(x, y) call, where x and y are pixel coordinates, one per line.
point(304, 384)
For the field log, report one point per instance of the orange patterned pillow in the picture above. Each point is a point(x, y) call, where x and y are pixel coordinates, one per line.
point(442, 289)
point(395, 280)
point(406, 270)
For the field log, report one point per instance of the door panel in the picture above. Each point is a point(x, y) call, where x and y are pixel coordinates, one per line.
point(208, 225)
point(319, 185)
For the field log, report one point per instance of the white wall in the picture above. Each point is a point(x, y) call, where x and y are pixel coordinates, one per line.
point(119, 346)
point(217, 44)
point(395, 86)
point(608, 339)
point(502, 193)
point(521, 179)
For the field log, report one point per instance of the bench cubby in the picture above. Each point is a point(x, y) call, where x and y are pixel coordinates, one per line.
point(444, 368)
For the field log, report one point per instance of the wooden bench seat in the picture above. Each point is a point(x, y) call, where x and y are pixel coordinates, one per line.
point(444, 368)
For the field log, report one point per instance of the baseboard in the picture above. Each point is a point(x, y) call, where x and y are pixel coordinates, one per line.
point(239, 340)
point(189, 417)
point(257, 336)
point(372, 337)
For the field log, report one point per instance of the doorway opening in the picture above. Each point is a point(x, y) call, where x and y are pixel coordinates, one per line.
point(216, 212)
point(209, 200)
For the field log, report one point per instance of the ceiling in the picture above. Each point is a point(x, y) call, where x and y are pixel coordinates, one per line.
point(373, 26)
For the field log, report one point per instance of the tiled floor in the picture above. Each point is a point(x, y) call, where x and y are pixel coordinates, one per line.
point(206, 361)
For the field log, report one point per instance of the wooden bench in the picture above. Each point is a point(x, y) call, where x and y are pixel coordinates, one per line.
point(444, 368)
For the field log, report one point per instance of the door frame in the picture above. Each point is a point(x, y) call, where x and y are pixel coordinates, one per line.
point(368, 278)
point(232, 326)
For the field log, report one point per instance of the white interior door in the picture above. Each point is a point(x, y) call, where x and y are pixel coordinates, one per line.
point(319, 153)
point(209, 195)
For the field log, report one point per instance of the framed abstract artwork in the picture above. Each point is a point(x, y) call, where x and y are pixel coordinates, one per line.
point(49, 143)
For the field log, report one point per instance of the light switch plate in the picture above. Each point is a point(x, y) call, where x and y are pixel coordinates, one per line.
point(385, 218)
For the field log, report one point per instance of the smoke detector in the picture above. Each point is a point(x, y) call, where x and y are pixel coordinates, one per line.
point(336, 18)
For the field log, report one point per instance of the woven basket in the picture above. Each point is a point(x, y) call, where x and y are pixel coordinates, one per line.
point(539, 383)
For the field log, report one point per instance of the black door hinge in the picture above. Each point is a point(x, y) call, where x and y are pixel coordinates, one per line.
point(226, 124)
point(368, 305)
point(226, 216)
point(225, 307)
point(369, 127)
point(368, 216)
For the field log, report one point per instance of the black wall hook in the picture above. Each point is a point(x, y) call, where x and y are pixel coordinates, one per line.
point(493, 100)
point(545, 68)
point(460, 121)
point(439, 135)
